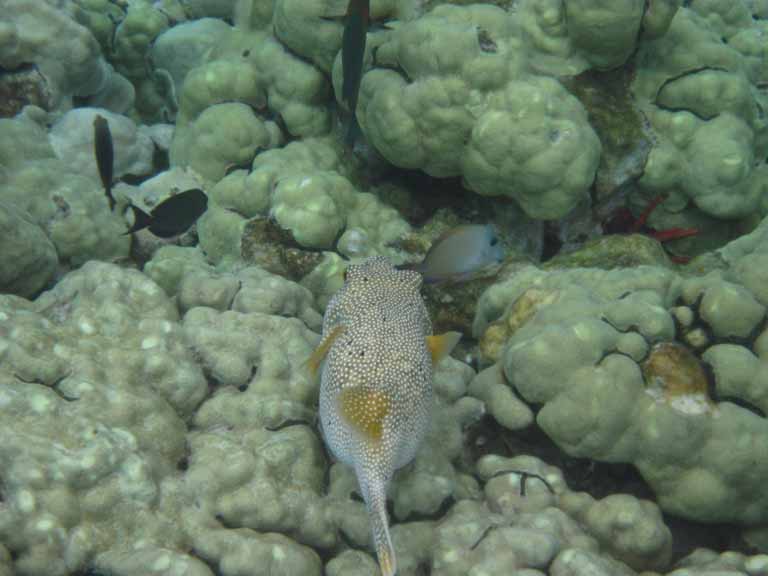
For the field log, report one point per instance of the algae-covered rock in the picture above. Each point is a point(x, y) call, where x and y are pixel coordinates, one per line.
point(452, 306)
point(613, 251)
point(273, 248)
point(675, 375)
point(21, 88)
point(621, 127)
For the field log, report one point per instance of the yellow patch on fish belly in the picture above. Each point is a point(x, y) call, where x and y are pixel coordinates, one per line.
point(365, 410)
point(441, 345)
point(319, 354)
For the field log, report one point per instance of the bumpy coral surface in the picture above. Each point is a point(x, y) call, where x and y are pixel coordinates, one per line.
point(629, 383)
point(98, 366)
point(188, 424)
point(71, 208)
point(65, 52)
point(156, 411)
point(698, 91)
point(304, 187)
point(449, 94)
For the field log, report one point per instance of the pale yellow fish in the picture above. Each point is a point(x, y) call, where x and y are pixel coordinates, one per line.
point(376, 356)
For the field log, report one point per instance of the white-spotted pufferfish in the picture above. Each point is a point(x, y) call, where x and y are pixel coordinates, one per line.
point(376, 387)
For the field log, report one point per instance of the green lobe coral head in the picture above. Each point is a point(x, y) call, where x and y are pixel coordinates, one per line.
point(606, 32)
point(451, 94)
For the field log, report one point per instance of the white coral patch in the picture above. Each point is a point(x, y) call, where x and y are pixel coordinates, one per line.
point(162, 563)
point(40, 403)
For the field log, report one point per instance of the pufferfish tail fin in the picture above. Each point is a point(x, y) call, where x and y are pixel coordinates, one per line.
point(375, 496)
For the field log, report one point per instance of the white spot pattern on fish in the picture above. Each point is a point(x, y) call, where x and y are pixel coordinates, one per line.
point(376, 388)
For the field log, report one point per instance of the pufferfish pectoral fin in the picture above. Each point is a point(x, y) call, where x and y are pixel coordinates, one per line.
point(441, 345)
point(318, 355)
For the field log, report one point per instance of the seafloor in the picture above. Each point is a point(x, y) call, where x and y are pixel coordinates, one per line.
point(605, 411)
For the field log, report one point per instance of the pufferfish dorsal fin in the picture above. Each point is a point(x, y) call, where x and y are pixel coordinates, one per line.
point(365, 410)
point(319, 354)
point(441, 345)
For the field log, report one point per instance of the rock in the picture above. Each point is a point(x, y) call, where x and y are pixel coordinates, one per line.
point(20, 88)
point(675, 375)
point(267, 245)
point(613, 251)
point(618, 123)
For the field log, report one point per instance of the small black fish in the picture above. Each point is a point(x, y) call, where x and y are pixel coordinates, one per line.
point(352, 55)
point(105, 156)
point(172, 216)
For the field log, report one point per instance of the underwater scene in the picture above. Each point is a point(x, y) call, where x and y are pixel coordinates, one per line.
point(383, 287)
